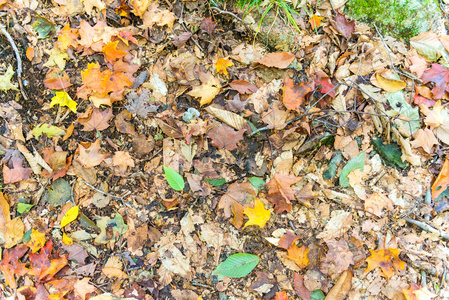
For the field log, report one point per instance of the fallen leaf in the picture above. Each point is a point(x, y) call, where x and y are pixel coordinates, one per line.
point(208, 26)
point(343, 26)
point(281, 295)
point(96, 119)
point(111, 54)
point(425, 139)
point(280, 60)
point(341, 289)
point(376, 202)
point(222, 64)
point(90, 156)
point(225, 137)
point(243, 87)
point(5, 80)
point(388, 84)
point(57, 79)
point(315, 21)
point(294, 95)
point(37, 241)
point(299, 287)
point(66, 239)
point(419, 65)
point(122, 160)
point(385, 259)
point(10, 265)
point(122, 123)
point(63, 99)
point(67, 37)
point(70, 216)
point(207, 91)
point(82, 288)
point(155, 16)
point(139, 8)
point(298, 255)
point(440, 76)
point(47, 129)
point(258, 215)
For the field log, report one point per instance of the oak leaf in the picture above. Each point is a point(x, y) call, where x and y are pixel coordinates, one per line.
point(225, 137)
point(207, 91)
point(258, 215)
point(294, 95)
point(280, 60)
point(222, 64)
point(386, 260)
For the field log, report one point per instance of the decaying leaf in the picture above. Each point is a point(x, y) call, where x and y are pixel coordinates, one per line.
point(385, 259)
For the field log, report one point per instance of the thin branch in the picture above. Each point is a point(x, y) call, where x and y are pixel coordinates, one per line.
point(428, 228)
point(19, 60)
point(224, 12)
point(100, 191)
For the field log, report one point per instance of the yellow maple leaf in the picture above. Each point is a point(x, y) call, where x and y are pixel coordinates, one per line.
point(207, 91)
point(37, 241)
point(70, 216)
point(385, 259)
point(222, 64)
point(63, 99)
point(57, 58)
point(257, 215)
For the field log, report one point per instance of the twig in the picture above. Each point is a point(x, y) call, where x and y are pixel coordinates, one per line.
point(100, 191)
point(428, 228)
point(19, 60)
point(224, 12)
point(181, 20)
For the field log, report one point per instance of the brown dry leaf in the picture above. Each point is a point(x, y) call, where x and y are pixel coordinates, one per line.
point(4, 214)
point(341, 289)
point(280, 60)
point(122, 123)
point(419, 65)
point(122, 160)
point(287, 240)
point(170, 128)
point(234, 120)
point(208, 25)
point(385, 259)
point(276, 117)
point(89, 156)
point(376, 202)
point(155, 16)
point(339, 257)
point(142, 145)
point(14, 230)
point(299, 287)
point(424, 138)
point(243, 193)
point(243, 86)
point(95, 119)
point(280, 183)
point(294, 95)
point(82, 288)
point(339, 223)
point(209, 88)
point(225, 137)
point(343, 26)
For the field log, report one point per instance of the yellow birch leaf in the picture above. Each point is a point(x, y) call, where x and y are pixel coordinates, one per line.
point(66, 240)
point(63, 99)
point(257, 215)
point(70, 216)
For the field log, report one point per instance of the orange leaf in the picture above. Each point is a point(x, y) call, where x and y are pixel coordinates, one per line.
point(111, 53)
point(281, 295)
point(57, 79)
point(30, 53)
point(294, 95)
point(385, 259)
point(298, 255)
point(68, 37)
point(10, 264)
point(315, 21)
point(222, 64)
point(442, 181)
point(280, 60)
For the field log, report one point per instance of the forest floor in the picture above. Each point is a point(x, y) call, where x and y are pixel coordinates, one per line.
point(145, 143)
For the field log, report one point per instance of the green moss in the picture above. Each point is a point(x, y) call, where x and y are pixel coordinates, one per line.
point(398, 18)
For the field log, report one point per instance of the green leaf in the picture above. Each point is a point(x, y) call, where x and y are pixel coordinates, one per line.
point(400, 106)
point(216, 182)
point(357, 162)
point(257, 182)
point(174, 179)
point(428, 45)
point(390, 154)
point(43, 27)
point(317, 295)
point(59, 193)
point(333, 166)
point(24, 207)
point(236, 266)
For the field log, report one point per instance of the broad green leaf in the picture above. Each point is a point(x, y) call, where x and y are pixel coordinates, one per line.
point(70, 216)
point(59, 193)
point(333, 166)
point(390, 154)
point(5, 80)
point(357, 162)
point(49, 130)
point(174, 179)
point(236, 266)
point(63, 99)
point(400, 106)
point(43, 27)
point(317, 295)
point(216, 182)
point(24, 207)
point(257, 182)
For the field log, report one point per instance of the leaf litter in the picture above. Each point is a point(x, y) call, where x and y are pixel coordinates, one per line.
point(183, 162)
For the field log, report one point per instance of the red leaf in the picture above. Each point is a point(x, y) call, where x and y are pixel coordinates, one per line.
point(10, 264)
point(343, 26)
point(281, 295)
point(287, 240)
point(440, 76)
